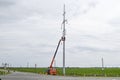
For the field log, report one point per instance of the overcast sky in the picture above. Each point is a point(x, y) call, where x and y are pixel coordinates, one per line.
point(31, 29)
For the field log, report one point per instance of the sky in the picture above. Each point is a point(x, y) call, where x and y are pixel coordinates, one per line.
point(30, 31)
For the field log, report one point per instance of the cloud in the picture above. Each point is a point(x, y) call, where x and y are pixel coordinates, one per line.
point(22, 10)
point(115, 22)
point(6, 3)
point(30, 31)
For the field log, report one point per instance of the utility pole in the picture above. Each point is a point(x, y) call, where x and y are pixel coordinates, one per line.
point(27, 64)
point(63, 39)
point(35, 68)
point(102, 64)
point(51, 70)
point(103, 67)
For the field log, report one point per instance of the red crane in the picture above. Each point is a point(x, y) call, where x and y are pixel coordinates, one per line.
point(52, 70)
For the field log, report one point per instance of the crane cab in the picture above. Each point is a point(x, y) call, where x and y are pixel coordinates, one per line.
point(52, 71)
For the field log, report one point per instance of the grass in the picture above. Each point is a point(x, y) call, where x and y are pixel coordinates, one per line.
point(4, 72)
point(1, 72)
point(32, 70)
point(108, 72)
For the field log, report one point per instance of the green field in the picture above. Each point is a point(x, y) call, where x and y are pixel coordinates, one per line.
point(1, 72)
point(108, 72)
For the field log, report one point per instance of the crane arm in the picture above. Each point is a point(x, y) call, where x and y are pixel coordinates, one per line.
point(55, 53)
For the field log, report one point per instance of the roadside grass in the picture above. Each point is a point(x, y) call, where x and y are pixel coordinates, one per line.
point(32, 70)
point(1, 72)
point(108, 72)
point(97, 72)
point(4, 72)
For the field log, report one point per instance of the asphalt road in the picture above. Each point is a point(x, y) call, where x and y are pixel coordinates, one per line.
point(31, 76)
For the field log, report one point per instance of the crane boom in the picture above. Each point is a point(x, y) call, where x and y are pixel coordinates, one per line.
point(51, 70)
point(55, 54)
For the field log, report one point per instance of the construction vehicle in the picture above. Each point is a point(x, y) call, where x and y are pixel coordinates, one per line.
point(52, 70)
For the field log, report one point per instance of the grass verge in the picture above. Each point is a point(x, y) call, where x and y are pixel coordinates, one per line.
point(97, 72)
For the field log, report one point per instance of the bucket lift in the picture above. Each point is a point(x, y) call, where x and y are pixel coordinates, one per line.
point(52, 70)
